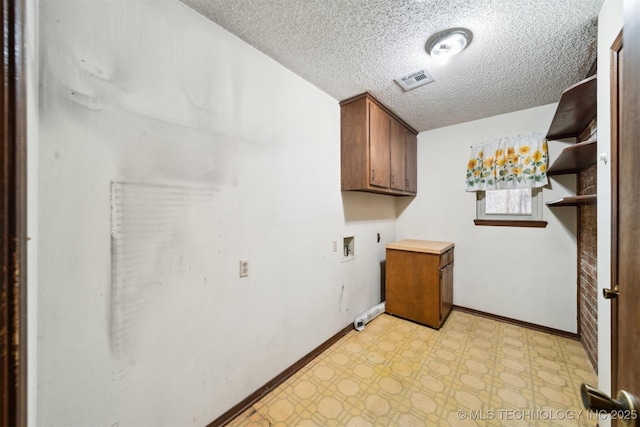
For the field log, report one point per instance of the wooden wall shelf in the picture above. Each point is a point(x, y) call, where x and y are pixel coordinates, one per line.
point(575, 158)
point(588, 199)
point(577, 107)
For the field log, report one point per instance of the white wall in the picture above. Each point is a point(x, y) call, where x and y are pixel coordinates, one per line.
point(609, 25)
point(31, 67)
point(150, 92)
point(527, 274)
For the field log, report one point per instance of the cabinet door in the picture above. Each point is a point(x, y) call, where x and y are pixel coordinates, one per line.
point(379, 152)
point(398, 155)
point(412, 288)
point(411, 168)
point(446, 291)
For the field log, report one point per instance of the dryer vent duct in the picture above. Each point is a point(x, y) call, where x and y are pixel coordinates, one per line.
point(414, 80)
point(368, 316)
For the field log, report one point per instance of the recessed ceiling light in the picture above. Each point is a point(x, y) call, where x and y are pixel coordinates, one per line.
point(444, 44)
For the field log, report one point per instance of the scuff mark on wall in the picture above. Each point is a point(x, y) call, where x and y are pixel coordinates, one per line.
point(86, 100)
point(159, 243)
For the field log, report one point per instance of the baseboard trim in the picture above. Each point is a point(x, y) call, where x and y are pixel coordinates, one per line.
point(245, 404)
point(519, 323)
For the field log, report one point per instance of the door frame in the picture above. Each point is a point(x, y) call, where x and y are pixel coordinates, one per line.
point(616, 47)
point(13, 217)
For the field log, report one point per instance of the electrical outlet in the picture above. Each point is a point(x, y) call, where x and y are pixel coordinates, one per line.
point(244, 268)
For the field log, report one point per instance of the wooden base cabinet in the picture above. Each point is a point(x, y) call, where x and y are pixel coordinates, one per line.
point(419, 281)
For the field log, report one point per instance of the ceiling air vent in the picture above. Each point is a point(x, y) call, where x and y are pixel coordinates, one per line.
point(415, 80)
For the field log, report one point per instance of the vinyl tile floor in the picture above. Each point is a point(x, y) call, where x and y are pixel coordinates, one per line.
point(475, 371)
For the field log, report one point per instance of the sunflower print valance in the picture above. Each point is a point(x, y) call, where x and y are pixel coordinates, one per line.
point(508, 163)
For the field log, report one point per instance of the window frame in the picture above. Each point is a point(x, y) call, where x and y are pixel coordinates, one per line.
point(511, 220)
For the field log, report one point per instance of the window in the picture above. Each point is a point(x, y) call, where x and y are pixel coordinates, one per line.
point(507, 174)
point(517, 207)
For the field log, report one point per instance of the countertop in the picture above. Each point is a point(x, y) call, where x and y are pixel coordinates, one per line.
point(426, 246)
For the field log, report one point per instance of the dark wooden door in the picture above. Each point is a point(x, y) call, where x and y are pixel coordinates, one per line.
point(13, 161)
point(628, 235)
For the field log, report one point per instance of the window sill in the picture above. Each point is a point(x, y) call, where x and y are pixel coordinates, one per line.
point(510, 223)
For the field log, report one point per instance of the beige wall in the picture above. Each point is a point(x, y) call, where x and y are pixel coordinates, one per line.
point(527, 274)
point(150, 92)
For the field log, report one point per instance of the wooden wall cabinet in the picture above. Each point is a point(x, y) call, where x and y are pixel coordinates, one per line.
point(378, 149)
point(419, 281)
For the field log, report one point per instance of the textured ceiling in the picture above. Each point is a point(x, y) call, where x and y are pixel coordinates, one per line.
point(524, 53)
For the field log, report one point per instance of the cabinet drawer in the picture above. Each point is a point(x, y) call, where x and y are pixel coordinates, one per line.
point(446, 258)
